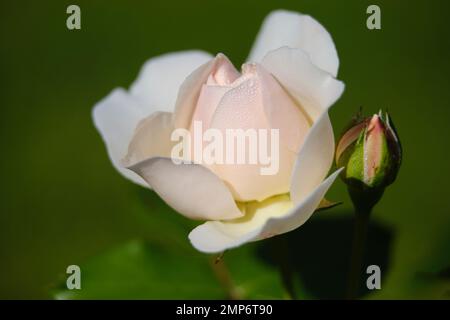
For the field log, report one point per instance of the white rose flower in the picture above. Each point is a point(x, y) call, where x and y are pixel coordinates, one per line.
point(288, 84)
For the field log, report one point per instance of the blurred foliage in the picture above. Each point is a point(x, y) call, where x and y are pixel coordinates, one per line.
point(62, 203)
point(144, 272)
point(166, 266)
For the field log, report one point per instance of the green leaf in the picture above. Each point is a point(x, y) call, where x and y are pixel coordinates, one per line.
point(139, 270)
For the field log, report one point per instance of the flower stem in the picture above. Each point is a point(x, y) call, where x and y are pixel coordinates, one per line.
point(359, 240)
point(223, 275)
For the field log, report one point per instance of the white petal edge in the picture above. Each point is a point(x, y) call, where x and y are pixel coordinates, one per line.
point(314, 89)
point(295, 30)
point(213, 236)
point(115, 118)
point(190, 189)
point(314, 159)
point(160, 78)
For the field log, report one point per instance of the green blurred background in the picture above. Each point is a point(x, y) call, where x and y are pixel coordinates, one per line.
point(62, 202)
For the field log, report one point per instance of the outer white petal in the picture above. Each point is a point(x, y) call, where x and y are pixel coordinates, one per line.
point(285, 28)
point(151, 139)
point(115, 117)
point(161, 77)
point(314, 159)
point(314, 89)
point(191, 189)
point(156, 87)
point(217, 236)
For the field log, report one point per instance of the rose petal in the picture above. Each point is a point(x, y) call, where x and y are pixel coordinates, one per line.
point(160, 78)
point(208, 100)
point(282, 112)
point(190, 91)
point(190, 189)
point(314, 159)
point(267, 221)
point(284, 28)
point(151, 139)
point(115, 117)
point(243, 108)
point(314, 89)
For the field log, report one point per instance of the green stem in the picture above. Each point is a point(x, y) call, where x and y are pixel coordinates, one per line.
point(223, 275)
point(359, 241)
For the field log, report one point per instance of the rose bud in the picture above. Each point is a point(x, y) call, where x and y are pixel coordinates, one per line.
point(371, 153)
